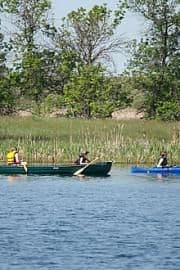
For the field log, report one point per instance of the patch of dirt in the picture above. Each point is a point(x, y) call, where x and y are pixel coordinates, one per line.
point(128, 113)
point(58, 113)
point(22, 113)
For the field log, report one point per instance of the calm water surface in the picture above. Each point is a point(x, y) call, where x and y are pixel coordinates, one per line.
point(121, 222)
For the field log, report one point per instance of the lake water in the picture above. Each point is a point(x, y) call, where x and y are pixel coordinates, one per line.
point(120, 222)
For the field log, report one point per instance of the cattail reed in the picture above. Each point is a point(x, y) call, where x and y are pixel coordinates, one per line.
point(61, 140)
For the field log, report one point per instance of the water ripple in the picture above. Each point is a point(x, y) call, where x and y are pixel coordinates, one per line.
point(63, 223)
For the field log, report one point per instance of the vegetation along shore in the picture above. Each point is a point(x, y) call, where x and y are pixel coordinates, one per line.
point(67, 67)
point(43, 140)
point(47, 66)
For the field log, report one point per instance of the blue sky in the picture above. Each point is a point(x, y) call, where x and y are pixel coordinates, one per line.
point(131, 27)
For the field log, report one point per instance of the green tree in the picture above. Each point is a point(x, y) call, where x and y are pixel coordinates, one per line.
point(30, 18)
point(66, 63)
point(88, 92)
point(6, 94)
point(92, 94)
point(90, 34)
point(156, 58)
point(2, 56)
point(33, 76)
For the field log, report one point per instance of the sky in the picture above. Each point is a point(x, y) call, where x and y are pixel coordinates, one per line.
point(131, 27)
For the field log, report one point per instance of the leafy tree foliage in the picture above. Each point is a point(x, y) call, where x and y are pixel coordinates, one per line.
point(66, 64)
point(71, 71)
point(2, 56)
point(30, 18)
point(53, 103)
point(89, 34)
point(6, 95)
point(33, 72)
point(169, 110)
point(92, 94)
point(88, 92)
point(156, 58)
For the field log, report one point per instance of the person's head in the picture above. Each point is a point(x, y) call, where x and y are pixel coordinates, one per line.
point(86, 153)
point(14, 148)
point(163, 154)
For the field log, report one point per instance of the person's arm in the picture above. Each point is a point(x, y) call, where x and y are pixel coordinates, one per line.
point(87, 160)
point(16, 158)
point(160, 162)
point(81, 160)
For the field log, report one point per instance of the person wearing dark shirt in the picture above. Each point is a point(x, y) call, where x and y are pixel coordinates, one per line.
point(162, 162)
point(82, 159)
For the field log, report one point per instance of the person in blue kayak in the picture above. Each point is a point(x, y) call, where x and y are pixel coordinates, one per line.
point(82, 159)
point(162, 162)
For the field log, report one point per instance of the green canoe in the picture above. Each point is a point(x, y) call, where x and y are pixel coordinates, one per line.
point(96, 169)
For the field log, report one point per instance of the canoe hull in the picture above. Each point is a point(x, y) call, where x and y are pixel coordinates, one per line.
point(156, 170)
point(97, 169)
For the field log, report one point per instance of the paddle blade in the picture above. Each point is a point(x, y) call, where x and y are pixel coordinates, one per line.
point(24, 164)
point(78, 172)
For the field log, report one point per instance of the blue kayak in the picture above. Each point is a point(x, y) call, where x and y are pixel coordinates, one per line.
point(155, 170)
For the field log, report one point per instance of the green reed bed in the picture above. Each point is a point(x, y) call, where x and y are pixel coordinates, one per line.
point(60, 140)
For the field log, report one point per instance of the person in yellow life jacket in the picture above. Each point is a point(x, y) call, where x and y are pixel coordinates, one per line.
point(13, 157)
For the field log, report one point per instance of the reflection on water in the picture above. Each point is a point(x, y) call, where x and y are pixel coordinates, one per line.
point(158, 177)
point(125, 221)
point(11, 178)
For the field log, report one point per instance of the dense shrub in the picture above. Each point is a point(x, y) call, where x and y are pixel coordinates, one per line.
point(169, 111)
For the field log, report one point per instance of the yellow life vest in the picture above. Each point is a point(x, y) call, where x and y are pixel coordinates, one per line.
point(10, 157)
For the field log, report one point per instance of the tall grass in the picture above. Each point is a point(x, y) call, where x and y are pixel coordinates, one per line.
point(61, 140)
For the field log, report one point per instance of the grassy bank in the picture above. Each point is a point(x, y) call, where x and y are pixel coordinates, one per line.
point(45, 140)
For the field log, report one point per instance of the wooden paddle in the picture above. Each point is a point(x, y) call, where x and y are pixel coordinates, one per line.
point(24, 166)
point(80, 171)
